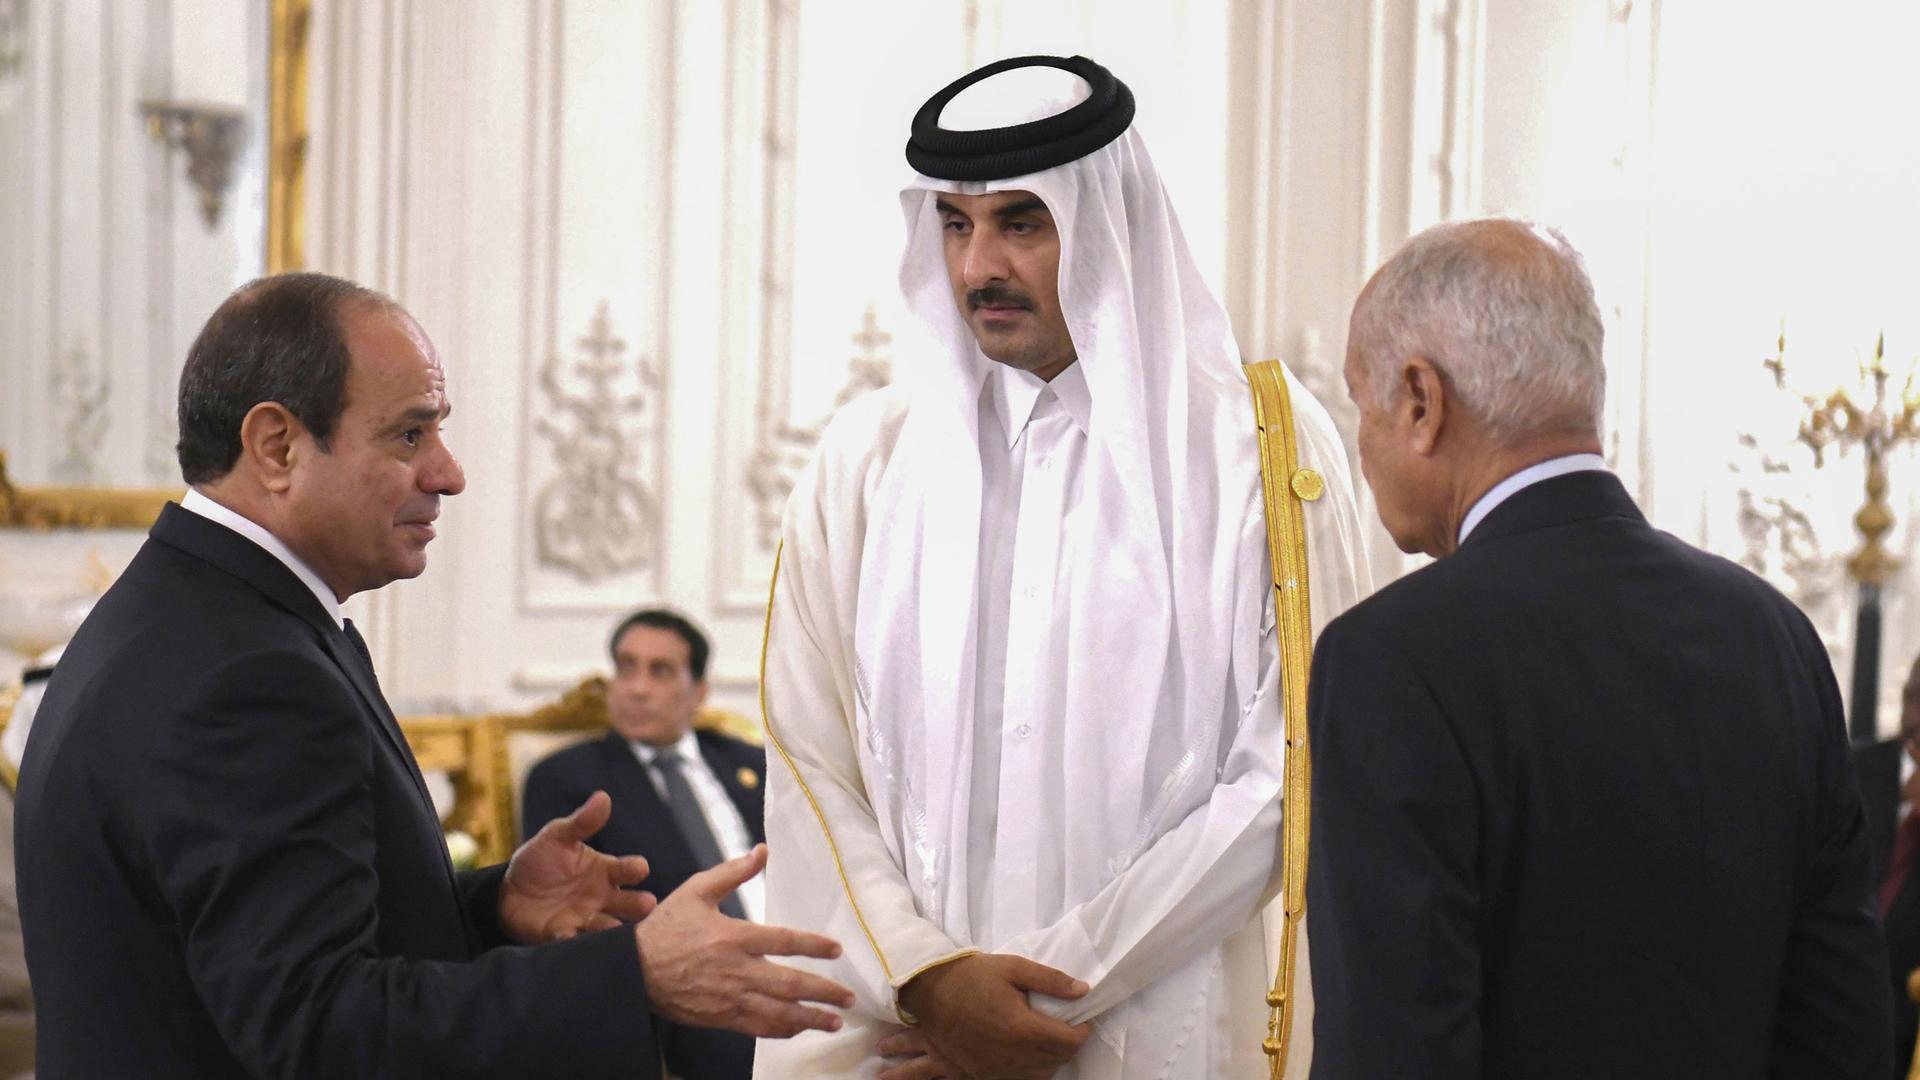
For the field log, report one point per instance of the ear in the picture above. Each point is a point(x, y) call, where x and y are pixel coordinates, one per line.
point(270, 438)
point(1424, 404)
point(700, 693)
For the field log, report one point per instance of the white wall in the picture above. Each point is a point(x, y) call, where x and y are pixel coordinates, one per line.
point(718, 177)
point(1302, 140)
point(107, 268)
point(721, 179)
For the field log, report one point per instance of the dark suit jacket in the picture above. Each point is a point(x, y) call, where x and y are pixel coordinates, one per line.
point(1902, 927)
point(642, 825)
point(228, 865)
point(1582, 807)
point(1876, 766)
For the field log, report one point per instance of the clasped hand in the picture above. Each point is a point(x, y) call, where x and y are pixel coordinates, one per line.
point(701, 967)
point(975, 1022)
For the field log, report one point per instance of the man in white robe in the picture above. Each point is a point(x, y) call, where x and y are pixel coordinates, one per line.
point(1021, 674)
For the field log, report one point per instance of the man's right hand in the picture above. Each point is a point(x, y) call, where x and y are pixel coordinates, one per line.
point(705, 969)
point(975, 1012)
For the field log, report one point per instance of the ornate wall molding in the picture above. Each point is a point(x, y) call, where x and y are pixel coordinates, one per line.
point(78, 508)
point(211, 136)
point(598, 517)
point(1449, 55)
point(755, 353)
point(163, 435)
point(783, 451)
point(1779, 539)
point(80, 387)
point(13, 37)
point(595, 492)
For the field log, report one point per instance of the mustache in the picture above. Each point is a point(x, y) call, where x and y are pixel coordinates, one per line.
point(996, 296)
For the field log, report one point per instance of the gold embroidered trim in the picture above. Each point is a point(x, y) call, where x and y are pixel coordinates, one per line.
point(766, 721)
point(1281, 481)
point(906, 1017)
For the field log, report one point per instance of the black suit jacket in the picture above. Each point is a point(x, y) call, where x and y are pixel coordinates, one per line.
point(1582, 807)
point(228, 865)
point(642, 825)
point(1878, 768)
point(1902, 927)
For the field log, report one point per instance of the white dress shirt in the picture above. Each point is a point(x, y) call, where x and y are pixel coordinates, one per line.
point(1030, 481)
point(723, 817)
point(213, 511)
point(1526, 478)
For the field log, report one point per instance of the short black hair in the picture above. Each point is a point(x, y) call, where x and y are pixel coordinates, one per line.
point(662, 619)
point(277, 338)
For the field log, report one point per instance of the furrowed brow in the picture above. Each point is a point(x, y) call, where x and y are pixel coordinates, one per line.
point(419, 414)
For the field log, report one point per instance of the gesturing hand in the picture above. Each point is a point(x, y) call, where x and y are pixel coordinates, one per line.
point(706, 969)
point(556, 886)
point(975, 1014)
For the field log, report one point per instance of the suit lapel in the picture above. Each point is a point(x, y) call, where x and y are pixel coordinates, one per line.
point(219, 546)
point(748, 800)
point(364, 681)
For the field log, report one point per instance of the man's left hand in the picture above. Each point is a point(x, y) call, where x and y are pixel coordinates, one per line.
point(557, 887)
point(910, 1056)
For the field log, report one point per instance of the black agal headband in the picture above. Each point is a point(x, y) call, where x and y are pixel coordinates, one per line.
point(997, 153)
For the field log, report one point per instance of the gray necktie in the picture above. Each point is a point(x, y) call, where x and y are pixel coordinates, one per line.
point(693, 823)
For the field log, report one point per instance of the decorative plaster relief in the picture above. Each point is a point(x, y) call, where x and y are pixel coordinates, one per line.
point(80, 418)
point(1780, 542)
point(783, 450)
point(13, 37)
point(163, 459)
point(597, 517)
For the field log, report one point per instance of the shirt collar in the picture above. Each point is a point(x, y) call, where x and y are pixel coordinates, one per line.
point(686, 748)
point(1016, 394)
point(1525, 478)
point(220, 515)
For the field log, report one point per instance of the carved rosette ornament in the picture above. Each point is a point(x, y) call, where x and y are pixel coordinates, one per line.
point(596, 518)
point(784, 449)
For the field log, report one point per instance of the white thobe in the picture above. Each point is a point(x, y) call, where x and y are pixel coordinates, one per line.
point(1189, 904)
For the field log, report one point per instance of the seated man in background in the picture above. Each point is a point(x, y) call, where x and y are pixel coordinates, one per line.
point(687, 800)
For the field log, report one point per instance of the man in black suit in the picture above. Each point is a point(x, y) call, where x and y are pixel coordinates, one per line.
point(1899, 880)
point(687, 799)
point(1581, 798)
point(228, 865)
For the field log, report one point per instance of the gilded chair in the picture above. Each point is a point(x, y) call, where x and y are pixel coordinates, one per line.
point(1913, 993)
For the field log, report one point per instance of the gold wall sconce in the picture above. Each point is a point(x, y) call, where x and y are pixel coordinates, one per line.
point(212, 137)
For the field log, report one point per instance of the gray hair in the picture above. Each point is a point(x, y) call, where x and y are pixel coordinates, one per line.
point(1505, 309)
